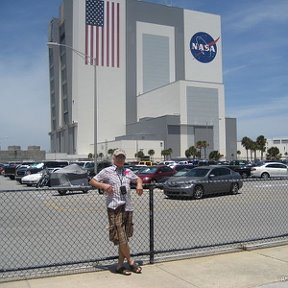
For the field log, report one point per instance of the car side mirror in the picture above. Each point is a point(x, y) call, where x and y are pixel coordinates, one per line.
point(211, 175)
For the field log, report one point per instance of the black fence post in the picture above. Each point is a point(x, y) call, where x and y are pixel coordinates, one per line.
point(151, 217)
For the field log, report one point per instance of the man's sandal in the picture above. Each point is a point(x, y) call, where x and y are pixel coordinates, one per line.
point(135, 268)
point(122, 270)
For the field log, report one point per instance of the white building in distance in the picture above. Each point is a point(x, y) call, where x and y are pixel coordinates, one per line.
point(154, 70)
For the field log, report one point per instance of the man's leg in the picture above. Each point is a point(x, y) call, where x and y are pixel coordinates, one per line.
point(124, 252)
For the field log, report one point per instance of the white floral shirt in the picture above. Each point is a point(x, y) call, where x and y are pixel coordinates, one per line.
point(117, 177)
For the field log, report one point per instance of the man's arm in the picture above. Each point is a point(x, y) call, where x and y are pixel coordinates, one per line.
point(100, 185)
point(139, 186)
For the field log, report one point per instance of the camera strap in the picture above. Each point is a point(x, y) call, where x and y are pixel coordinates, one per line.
point(122, 176)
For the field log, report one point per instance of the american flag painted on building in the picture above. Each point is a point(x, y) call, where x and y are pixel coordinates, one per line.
point(102, 34)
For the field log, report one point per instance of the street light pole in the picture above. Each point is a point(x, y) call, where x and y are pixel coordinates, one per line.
point(84, 56)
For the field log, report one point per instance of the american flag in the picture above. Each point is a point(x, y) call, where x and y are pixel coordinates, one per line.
point(102, 33)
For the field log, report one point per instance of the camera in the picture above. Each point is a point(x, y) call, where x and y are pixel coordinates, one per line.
point(123, 190)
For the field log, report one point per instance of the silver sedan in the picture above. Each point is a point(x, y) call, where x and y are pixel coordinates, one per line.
point(202, 181)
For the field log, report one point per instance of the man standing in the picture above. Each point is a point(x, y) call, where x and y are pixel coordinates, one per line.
point(115, 181)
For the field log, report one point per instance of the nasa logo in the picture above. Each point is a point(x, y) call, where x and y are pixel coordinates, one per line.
point(203, 47)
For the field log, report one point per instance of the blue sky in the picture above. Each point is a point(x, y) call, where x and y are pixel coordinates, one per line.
point(255, 46)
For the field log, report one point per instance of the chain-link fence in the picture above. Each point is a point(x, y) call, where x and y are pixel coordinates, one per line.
point(44, 233)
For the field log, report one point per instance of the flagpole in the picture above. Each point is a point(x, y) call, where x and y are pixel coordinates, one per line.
point(95, 117)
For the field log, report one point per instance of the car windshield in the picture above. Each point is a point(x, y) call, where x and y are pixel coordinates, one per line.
point(148, 170)
point(81, 164)
point(37, 165)
point(89, 165)
point(182, 172)
point(197, 172)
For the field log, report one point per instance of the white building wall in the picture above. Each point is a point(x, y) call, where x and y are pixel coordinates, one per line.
point(111, 90)
point(159, 102)
point(133, 146)
point(172, 100)
point(281, 143)
point(195, 22)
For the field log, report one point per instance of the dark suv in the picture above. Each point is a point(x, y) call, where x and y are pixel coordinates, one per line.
point(10, 168)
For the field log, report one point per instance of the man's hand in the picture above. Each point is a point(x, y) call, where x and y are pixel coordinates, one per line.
point(107, 187)
point(139, 190)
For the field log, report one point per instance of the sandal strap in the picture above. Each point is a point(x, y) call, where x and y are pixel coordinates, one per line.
point(135, 268)
point(122, 270)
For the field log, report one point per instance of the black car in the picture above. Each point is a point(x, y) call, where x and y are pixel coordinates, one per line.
point(89, 166)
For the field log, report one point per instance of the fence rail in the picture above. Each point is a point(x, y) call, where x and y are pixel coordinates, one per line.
point(44, 233)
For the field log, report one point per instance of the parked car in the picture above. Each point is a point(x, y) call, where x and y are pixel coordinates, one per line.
point(170, 163)
point(2, 165)
point(9, 169)
point(241, 167)
point(270, 169)
point(21, 170)
point(179, 166)
point(135, 168)
point(65, 178)
point(51, 164)
point(153, 174)
point(33, 179)
point(89, 166)
point(203, 180)
point(145, 163)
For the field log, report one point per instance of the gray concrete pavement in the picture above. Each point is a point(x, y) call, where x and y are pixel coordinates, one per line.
point(264, 268)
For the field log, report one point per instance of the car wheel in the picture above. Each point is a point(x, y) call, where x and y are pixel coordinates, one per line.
point(244, 175)
point(265, 175)
point(198, 192)
point(62, 192)
point(234, 189)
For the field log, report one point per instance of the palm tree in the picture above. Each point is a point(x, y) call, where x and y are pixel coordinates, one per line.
point(261, 144)
point(273, 153)
point(166, 152)
point(238, 153)
point(110, 152)
point(246, 141)
point(101, 155)
point(170, 151)
point(215, 155)
point(191, 151)
point(205, 145)
point(202, 144)
point(253, 148)
point(151, 152)
point(140, 155)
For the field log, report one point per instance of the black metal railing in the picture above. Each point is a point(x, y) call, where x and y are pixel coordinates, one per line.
point(43, 232)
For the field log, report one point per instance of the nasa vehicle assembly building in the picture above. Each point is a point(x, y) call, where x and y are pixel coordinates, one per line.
point(159, 79)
